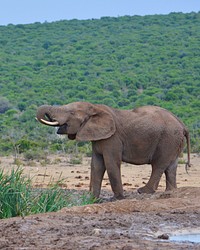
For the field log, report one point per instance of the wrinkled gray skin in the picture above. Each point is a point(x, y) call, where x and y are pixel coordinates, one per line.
point(145, 135)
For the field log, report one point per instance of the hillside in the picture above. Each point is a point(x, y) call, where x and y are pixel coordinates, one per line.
point(123, 62)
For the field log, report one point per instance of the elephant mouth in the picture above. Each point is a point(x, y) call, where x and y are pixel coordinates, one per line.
point(62, 130)
point(72, 136)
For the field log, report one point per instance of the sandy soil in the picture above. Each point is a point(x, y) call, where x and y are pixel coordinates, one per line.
point(138, 222)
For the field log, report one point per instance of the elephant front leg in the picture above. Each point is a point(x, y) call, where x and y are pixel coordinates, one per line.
point(97, 173)
point(114, 174)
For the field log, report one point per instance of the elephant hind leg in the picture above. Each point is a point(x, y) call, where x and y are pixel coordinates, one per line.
point(153, 182)
point(170, 174)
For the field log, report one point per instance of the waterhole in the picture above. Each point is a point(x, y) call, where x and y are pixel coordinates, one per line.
point(195, 238)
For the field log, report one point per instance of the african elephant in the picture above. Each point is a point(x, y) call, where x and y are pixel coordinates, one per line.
point(144, 135)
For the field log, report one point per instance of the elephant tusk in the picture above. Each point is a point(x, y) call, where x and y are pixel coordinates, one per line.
point(49, 123)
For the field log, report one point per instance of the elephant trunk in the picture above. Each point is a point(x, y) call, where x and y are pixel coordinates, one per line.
point(44, 116)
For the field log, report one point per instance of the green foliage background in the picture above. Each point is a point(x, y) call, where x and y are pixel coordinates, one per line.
point(123, 62)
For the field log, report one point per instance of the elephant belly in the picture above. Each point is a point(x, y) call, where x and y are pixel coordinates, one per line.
point(138, 153)
point(137, 160)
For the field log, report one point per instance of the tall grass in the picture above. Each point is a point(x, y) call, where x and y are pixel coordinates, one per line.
point(15, 194)
point(18, 198)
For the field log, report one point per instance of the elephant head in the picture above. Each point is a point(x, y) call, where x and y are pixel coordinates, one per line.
point(79, 120)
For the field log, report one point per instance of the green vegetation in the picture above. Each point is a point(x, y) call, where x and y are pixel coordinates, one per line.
point(123, 62)
point(18, 198)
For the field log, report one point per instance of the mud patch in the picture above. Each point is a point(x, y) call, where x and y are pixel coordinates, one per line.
point(133, 223)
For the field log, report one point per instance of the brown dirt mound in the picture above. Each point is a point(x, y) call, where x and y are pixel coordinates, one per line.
point(168, 201)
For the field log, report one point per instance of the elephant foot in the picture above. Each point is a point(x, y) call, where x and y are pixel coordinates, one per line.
point(145, 190)
point(116, 198)
point(170, 188)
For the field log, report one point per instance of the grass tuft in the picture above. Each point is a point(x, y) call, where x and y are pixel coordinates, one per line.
point(18, 198)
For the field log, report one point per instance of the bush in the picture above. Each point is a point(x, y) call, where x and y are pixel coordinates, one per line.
point(35, 155)
point(4, 104)
point(76, 159)
point(26, 144)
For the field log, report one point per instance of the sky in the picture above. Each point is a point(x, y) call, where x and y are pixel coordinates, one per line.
point(31, 11)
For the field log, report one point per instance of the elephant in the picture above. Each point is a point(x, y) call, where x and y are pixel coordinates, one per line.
point(143, 135)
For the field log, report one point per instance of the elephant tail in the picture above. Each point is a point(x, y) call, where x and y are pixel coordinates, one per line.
point(187, 136)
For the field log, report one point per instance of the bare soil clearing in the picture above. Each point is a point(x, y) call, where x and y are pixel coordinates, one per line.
point(138, 222)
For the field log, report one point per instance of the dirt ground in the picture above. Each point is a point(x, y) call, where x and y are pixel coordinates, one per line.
point(137, 222)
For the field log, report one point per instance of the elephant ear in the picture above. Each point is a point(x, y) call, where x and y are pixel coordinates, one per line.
point(99, 126)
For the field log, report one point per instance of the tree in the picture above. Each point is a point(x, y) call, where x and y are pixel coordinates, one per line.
point(4, 104)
